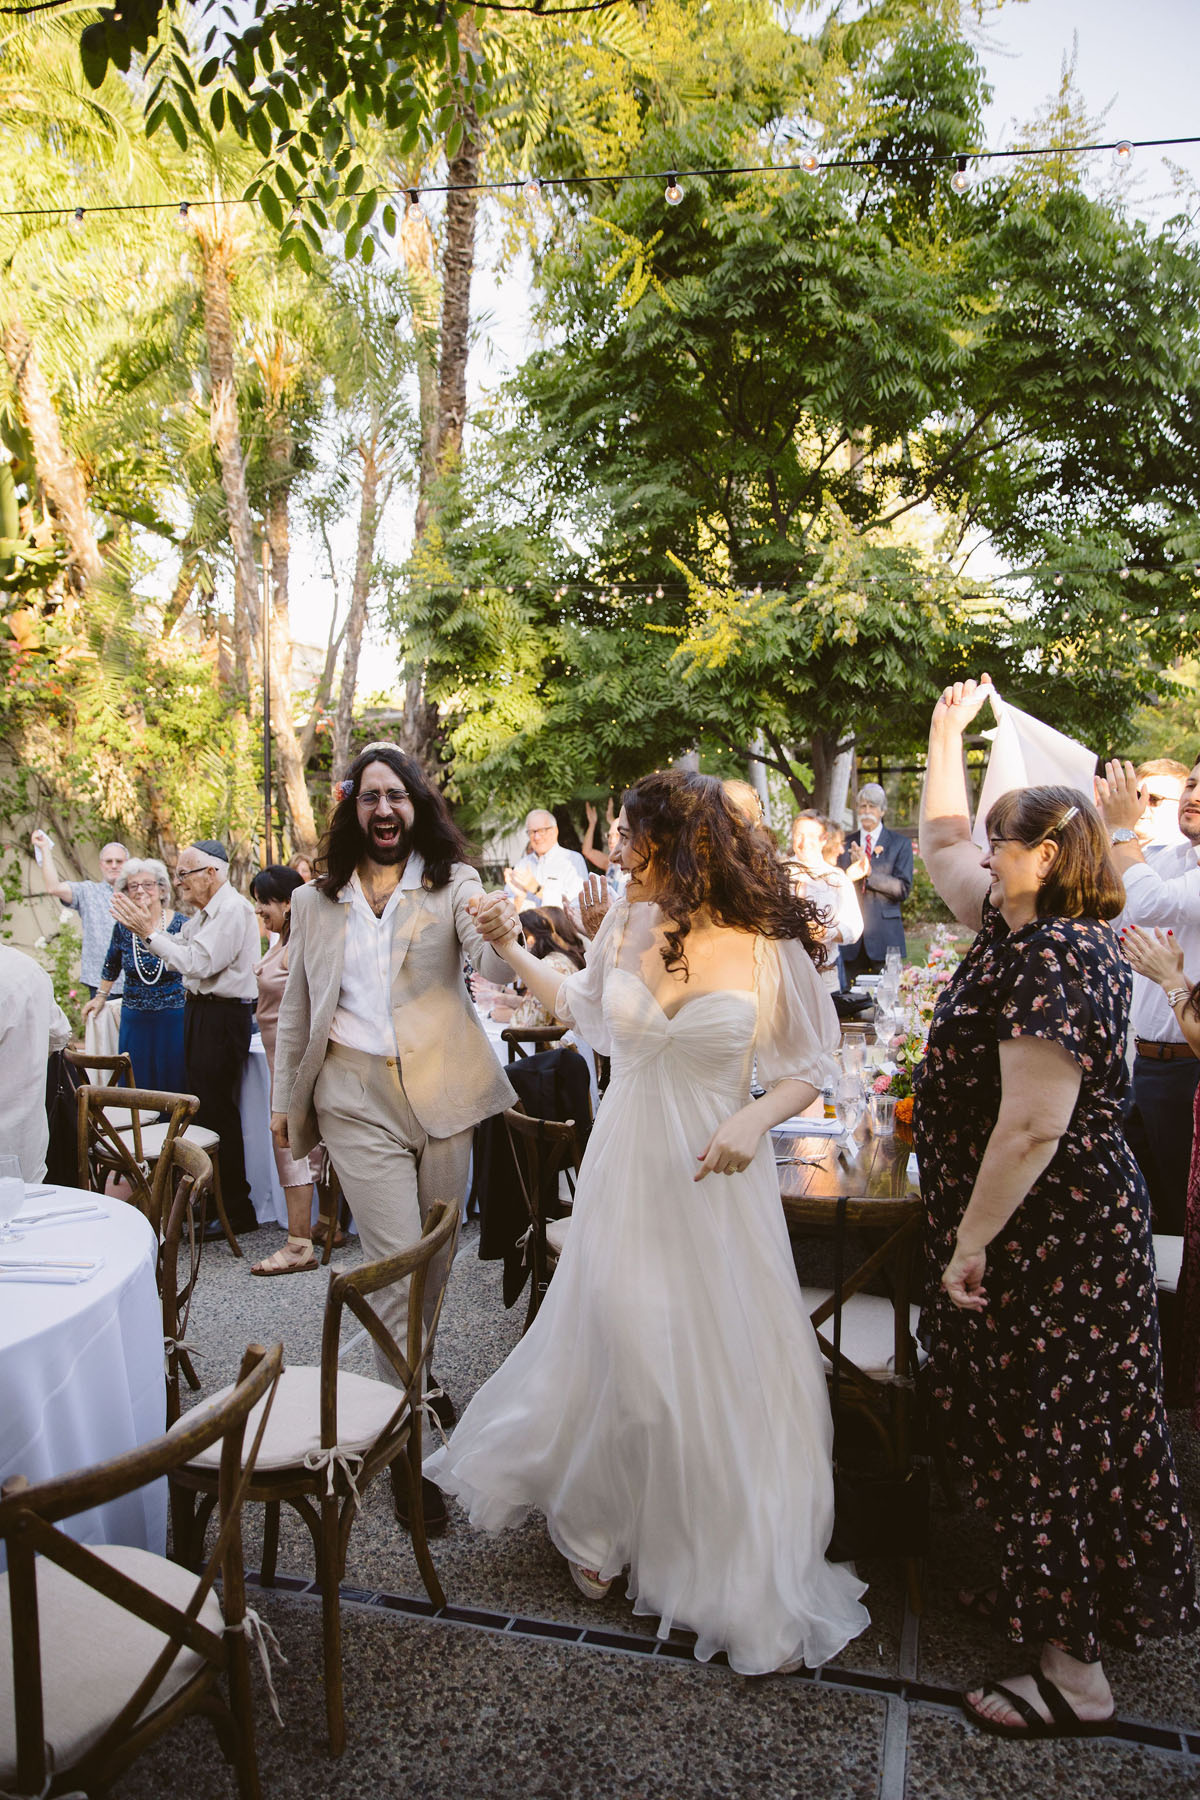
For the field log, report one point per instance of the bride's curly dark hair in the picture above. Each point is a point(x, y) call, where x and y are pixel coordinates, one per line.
point(702, 854)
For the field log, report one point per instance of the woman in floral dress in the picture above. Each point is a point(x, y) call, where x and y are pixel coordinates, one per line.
point(1042, 1322)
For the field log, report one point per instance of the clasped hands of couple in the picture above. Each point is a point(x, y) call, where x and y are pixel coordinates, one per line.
point(733, 1146)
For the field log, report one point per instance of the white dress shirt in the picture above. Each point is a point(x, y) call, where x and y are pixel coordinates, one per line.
point(216, 949)
point(833, 891)
point(363, 1019)
point(32, 1024)
point(1163, 891)
point(559, 873)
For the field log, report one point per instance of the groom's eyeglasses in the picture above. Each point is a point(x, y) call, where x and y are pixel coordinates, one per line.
point(370, 797)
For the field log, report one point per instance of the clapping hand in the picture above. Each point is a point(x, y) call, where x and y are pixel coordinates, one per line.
point(140, 919)
point(590, 814)
point(1117, 796)
point(1155, 954)
point(593, 904)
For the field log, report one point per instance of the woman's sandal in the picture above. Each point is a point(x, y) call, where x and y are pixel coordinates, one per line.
point(1064, 1721)
point(319, 1234)
point(280, 1262)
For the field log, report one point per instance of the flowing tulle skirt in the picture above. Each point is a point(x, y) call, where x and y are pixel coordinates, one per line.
point(667, 1410)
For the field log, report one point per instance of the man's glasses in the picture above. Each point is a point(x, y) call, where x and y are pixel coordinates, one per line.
point(371, 797)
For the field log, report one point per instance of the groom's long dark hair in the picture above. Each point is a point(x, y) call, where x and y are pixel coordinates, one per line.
point(701, 853)
point(434, 832)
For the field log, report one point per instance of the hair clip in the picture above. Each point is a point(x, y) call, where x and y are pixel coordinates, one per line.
point(1071, 813)
point(345, 789)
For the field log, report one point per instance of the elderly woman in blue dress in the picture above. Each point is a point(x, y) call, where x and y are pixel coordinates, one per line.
point(152, 1005)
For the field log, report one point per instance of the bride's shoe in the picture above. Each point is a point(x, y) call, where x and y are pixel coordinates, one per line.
point(587, 1583)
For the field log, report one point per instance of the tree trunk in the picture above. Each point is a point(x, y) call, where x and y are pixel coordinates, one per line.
point(825, 747)
point(289, 753)
point(364, 558)
point(441, 443)
point(58, 473)
point(227, 439)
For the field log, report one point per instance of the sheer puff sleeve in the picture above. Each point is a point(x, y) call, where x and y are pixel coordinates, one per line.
point(798, 1027)
point(580, 999)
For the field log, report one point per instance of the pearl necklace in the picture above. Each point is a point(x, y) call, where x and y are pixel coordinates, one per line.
point(154, 961)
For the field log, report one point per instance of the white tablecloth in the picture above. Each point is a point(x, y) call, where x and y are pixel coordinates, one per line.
point(254, 1104)
point(81, 1368)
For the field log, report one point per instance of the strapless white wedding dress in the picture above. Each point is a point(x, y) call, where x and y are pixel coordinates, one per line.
point(667, 1410)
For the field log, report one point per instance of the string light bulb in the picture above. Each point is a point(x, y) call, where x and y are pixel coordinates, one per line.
point(77, 219)
point(960, 181)
point(532, 189)
point(182, 218)
point(810, 162)
point(673, 193)
point(414, 200)
point(296, 214)
point(1123, 153)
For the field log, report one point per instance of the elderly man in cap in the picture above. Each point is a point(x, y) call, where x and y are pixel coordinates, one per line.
point(880, 862)
point(548, 875)
point(215, 952)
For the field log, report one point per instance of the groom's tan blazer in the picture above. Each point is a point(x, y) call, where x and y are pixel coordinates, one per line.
point(447, 1066)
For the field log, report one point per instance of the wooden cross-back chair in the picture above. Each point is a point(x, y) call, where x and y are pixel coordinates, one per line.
point(537, 1037)
point(104, 1648)
point(189, 1184)
point(118, 1070)
point(112, 1123)
point(332, 1432)
point(542, 1149)
point(154, 1131)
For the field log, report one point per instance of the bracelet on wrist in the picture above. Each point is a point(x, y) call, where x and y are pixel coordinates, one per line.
point(1176, 995)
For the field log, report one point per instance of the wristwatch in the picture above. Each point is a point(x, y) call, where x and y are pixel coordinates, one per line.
point(1122, 835)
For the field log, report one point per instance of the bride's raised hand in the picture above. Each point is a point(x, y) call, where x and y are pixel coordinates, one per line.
point(731, 1148)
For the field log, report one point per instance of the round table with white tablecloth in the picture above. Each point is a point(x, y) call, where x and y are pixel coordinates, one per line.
point(81, 1367)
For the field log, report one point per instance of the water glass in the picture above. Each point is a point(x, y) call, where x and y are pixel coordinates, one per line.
point(883, 1115)
point(854, 1056)
point(12, 1197)
point(851, 1101)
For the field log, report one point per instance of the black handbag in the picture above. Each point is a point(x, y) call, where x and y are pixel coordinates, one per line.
point(62, 1155)
point(875, 1512)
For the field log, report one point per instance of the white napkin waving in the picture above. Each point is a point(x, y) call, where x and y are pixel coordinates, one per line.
point(1027, 753)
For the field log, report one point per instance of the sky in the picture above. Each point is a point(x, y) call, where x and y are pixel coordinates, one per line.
point(1136, 62)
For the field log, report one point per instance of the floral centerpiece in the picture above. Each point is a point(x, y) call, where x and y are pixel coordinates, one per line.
point(921, 986)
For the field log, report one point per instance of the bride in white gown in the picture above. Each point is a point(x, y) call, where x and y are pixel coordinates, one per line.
point(667, 1409)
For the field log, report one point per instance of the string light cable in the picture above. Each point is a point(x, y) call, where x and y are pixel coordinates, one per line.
point(674, 191)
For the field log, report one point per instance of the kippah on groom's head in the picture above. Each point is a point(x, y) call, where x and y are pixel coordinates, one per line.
point(210, 847)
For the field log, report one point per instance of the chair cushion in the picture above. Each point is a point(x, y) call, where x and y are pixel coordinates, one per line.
point(155, 1136)
point(94, 1653)
point(294, 1427)
point(1168, 1261)
point(556, 1233)
point(868, 1331)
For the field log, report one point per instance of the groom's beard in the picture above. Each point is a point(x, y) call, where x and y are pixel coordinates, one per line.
point(393, 846)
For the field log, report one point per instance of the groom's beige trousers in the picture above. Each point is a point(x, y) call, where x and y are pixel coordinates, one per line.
point(391, 1172)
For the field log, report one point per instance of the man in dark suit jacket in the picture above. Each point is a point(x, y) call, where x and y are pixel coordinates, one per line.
point(881, 863)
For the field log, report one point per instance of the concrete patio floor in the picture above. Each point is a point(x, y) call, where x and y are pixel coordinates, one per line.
point(525, 1689)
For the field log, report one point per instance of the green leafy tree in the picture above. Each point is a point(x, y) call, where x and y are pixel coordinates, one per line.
point(821, 398)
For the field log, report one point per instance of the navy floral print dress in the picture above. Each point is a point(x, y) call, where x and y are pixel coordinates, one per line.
point(1052, 1395)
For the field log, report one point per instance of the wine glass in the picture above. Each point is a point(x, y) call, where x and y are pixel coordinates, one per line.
point(12, 1197)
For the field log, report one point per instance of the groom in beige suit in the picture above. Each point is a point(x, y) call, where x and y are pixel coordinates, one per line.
point(379, 1053)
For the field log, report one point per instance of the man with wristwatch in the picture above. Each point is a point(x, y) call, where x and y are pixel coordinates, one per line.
point(1162, 888)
